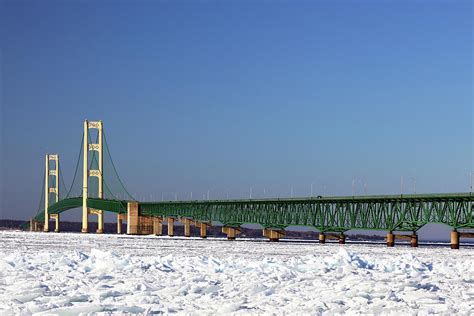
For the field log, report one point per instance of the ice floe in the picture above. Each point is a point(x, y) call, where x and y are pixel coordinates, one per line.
point(73, 273)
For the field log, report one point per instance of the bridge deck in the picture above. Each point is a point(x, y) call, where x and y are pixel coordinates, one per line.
point(375, 212)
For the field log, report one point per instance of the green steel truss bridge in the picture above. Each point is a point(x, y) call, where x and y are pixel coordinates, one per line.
point(101, 189)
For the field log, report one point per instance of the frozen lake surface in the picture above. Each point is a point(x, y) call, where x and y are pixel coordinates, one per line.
point(66, 274)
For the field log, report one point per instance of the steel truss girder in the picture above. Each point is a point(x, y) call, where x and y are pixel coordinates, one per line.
point(390, 213)
point(385, 213)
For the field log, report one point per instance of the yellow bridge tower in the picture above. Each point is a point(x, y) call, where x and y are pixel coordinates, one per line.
point(49, 172)
point(92, 173)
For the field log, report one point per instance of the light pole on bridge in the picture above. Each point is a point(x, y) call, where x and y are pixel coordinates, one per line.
point(414, 184)
point(359, 180)
point(471, 175)
point(401, 185)
point(323, 187)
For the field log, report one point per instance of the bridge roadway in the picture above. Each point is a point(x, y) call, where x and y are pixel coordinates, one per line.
point(403, 213)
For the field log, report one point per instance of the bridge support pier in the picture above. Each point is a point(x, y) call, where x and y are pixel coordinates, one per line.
point(157, 226)
point(46, 226)
point(35, 226)
point(273, 234)
point(100, 219)
point(85, 223)
point(342, 239)
point(56, 222)
point(231, 232)
point(414, 240)
point(202, 229)
point(145, 226)
point(120, 218)
point(119, 225)
point(100, 222)
point(390, 239)
point(132, 218)
point(187, 227)
point(322, 238)
point(454, 239)
point(170, 226)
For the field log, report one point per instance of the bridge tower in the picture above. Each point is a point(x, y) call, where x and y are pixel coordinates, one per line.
point(92, 173)
point(48, 189)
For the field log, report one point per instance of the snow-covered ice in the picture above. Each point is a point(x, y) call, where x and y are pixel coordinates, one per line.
point(72, 273)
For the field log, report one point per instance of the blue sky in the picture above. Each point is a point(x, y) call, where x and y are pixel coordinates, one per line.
point(224, 96)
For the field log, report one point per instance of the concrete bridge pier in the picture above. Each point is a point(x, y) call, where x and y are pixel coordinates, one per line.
point(390, 239)
point(454, 239)
point(136, 224)
point(456, 236)
point(132, 218)
point(342, 239)
point(35, 226)
point(273, 234)
point(145, 226)
point(187, 227)
point(85, 223)
point(170, 226)
point(100, 222)
point(322, 238)
point(202, 229)
point(231, 232)
point(157, 226)
point(119, 224)
point(120, 219)
point(414, 240)
point(54, 217)
point(56, 222)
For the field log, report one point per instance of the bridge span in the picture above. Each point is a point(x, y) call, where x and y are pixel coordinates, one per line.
point(401, 216)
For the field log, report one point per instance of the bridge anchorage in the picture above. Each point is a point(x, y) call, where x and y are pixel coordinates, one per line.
point(401, 216)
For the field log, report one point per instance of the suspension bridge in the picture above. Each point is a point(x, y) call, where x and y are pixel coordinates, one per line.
point(101, 190)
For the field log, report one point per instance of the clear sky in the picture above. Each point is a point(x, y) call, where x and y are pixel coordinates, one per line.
point(228, 95)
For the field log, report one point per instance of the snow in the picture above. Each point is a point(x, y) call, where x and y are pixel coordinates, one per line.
point(66, 274)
